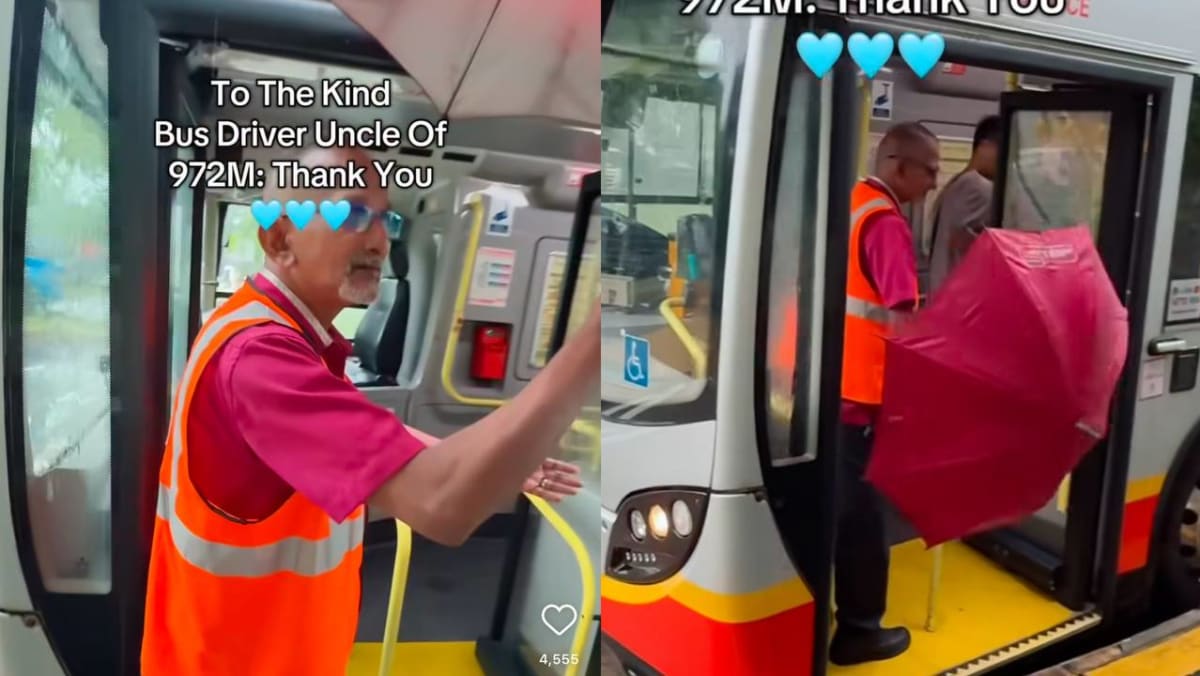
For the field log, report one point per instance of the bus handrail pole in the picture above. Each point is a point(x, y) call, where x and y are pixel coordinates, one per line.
point(699, 358)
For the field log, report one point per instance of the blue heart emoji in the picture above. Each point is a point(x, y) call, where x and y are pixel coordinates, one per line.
point(921, 54)
point(335, 213)
point(819, 54)
point(299, 213)
point(870, 53)
point(266, 213)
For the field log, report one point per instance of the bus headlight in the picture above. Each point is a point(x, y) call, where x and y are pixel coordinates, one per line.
point(681, 516)
point(637, 524)
point(654, 533)
point(659, 524)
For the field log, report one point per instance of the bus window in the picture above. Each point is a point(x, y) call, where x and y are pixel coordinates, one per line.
point(65, 319)
point(789, 248)
point(181, 292)
point(1185, 249)
point(666, 112)
point(241, 256)
point(1057, 169)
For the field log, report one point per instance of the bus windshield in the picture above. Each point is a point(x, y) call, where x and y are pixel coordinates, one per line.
point(665, 102)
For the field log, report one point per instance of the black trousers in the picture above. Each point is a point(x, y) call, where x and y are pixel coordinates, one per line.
point(861, 554)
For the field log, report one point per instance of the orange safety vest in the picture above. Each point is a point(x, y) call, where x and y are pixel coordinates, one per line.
point(867, 321)
point(277, 597)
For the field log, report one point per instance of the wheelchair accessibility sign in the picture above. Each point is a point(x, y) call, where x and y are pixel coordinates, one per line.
point(637, 360)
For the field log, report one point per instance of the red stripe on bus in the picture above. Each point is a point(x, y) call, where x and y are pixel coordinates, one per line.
point(673, 639)
point(1136, 531)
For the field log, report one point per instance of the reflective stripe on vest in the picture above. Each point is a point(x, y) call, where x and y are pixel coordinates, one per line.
point(877, 203)
point(297, 555)
point(865, 309)
point(860, 307)
point(867, 321)
point(293, 555)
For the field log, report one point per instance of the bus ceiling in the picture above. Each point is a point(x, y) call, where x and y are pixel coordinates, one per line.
point(309, 29)
point(523, 136)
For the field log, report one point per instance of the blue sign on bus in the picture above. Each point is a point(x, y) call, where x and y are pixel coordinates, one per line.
point(637, 361)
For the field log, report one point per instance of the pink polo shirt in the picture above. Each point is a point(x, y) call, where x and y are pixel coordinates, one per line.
point(272, 414)
point(890, 265)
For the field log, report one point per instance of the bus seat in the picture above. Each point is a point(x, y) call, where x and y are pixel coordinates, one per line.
point(379, 340)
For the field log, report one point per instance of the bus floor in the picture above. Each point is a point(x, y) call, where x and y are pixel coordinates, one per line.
point(983, 615)
point(448, 604)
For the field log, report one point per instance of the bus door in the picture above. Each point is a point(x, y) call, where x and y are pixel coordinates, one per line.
point(547, 619)
point(1089, 137)
point(74, 345)
point(1069, 157)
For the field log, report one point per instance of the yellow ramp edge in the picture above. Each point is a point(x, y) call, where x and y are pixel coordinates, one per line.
point(429, 658)
point(1169, 649)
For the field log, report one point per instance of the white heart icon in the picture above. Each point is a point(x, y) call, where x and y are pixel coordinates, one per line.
point(555, 616)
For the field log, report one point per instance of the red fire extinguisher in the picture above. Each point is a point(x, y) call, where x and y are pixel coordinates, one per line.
point(489, 355)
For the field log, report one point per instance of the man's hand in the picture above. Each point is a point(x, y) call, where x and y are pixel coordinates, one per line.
point(553, 481)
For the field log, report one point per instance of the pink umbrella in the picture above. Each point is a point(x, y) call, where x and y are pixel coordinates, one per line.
point(493, 58)
point(996, 390)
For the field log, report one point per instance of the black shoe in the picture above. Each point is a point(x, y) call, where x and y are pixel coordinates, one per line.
point(856, 646)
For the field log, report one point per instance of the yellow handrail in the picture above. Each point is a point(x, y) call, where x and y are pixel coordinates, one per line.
point(591, 433)
point(588, 604)
point(400, 580)
point(699, 358)
point(675, 283)
point(391, 627)
point(586, 427)
point(404, 533)
point(460, 302)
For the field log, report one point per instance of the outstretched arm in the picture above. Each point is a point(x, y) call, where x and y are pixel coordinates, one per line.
point(458, 482)
point(553, 481)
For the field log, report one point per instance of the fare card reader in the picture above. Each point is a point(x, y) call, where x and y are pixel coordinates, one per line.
point(1183, 370)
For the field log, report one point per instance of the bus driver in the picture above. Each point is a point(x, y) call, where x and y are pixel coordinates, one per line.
point(881, 287)
point(273, 454)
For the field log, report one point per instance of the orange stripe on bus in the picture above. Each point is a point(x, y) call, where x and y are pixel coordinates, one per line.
point(1137, 523)
point(730, 608)
point(1137, 528)
point(674, 639)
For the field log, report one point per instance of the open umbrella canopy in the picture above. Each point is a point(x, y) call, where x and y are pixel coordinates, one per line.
point(997, 390)
point(494, 58)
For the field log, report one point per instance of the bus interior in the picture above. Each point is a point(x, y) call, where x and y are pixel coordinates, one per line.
point(471, 307)
point(429, 348)
point(971, 604)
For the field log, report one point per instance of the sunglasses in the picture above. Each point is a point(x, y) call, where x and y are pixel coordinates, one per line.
point(931, 172)
point(361, 218)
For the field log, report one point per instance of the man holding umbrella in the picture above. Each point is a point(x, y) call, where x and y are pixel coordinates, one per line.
point(881, 287)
